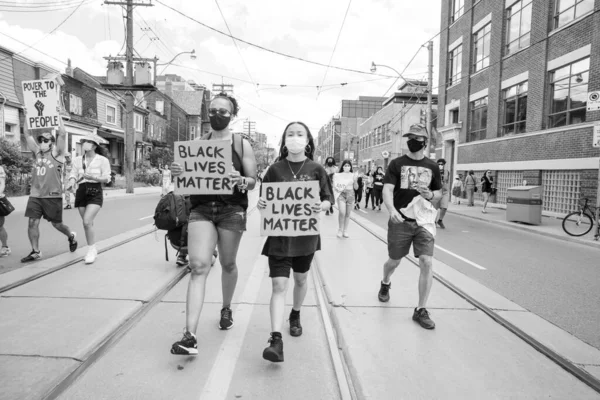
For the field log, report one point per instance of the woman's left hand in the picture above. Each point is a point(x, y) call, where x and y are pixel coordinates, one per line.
point(235, 177)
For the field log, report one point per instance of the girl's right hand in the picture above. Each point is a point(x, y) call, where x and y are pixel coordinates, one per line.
point(176, 169)
point(262, 204)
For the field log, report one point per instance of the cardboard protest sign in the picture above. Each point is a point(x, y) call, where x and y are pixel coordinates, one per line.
point(41, 101)
point(206, 167)
point(289, 209)
point(340, 181)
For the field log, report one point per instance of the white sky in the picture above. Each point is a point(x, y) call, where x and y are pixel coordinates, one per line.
point(385, 31)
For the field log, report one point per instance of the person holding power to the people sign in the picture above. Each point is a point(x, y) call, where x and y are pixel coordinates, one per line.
point(290, 218)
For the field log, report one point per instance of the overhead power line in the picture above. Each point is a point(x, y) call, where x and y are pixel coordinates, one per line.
point(39, 8)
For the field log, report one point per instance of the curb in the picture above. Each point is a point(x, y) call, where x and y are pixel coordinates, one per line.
point(592, 243)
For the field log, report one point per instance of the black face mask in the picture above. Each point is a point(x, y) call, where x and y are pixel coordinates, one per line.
point(219, 122)
point(330, 163)
point(415, 145)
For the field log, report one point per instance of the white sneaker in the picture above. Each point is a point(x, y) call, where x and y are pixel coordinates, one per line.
point(90, 257)
point(339, 234)
point(5, 251)
point(346, 235)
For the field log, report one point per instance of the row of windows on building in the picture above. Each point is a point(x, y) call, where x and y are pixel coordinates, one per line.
point(382, 134)
point(517, 33)
point(568, 87)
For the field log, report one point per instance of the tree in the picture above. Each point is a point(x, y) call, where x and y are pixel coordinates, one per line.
point(160, 156)
point(17, 167)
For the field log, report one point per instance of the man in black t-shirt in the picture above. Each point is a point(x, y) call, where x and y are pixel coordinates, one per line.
point(407, 177)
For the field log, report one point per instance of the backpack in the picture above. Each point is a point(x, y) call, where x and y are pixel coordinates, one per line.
point(172, 211)
point(178, 239)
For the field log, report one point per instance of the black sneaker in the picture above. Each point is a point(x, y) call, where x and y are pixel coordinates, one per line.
point(187, 346)
point(274, 352)
point(182, 260)
point(226, 319)
point(384, 292)
point(72, 242)
point(441, 224)
point(295, 325)
point(422, 317)
point(33, 256)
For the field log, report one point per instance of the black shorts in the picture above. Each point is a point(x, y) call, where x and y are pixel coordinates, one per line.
point(89, 193)
point(49, 208)
point(401, 236)
point(279, 267)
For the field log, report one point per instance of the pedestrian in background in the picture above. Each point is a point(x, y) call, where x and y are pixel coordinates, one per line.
point(471, 188)
point(331, 169)
point(89, 172)
point(345, 183)
point(457, 190)
point(378, 187)
point(217, 220)
point(358, 192)
point(46, 198)
point(288, 254)
point(167, 180)
point(67, 174)
point(369, 189)
point(5, 250)
point(443, 205)
point(486, 188)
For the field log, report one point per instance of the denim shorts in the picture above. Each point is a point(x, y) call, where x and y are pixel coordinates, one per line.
point(347, 196)
point(223, 216)
point(401, 236)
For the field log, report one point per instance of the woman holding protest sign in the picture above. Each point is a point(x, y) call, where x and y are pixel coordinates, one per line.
point(344, 185)
point(217, 220)
point(292, 252)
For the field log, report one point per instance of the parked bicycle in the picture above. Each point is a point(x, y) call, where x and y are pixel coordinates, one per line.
point(579, 223)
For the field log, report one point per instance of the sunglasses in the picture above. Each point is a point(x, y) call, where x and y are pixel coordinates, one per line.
point(43, 140)
point(222, 112)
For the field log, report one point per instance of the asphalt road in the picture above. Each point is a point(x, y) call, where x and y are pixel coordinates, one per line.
point(118, 215)
point(555, 279)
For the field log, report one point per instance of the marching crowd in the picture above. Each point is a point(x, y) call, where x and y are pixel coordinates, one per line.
point(414, 190)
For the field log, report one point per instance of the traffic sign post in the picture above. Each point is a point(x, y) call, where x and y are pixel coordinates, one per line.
point(596, 143)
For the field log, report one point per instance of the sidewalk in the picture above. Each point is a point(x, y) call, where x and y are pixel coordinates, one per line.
point(496, 214)
point(20, 202)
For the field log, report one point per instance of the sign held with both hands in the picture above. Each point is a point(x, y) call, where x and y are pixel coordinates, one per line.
point(206, 167)
point(41, 101)
point(289, 210)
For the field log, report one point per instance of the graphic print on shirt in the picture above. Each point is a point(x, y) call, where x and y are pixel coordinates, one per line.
point(42, 166)
point(412, 177)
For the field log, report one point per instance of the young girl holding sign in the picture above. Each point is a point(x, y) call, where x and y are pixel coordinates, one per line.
point(344, 184)
point(292, 253)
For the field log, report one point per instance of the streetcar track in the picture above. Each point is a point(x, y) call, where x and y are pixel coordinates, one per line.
point(554, 356)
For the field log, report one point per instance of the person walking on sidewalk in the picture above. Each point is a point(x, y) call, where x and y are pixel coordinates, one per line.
point(5, 250)
point(217, 220)
point(167, 180)
point(486, 188)
point(89, 172)
point(67, 175)
point(292, 253)
point(378, 187)
point(471, 188)
point(345, 183)
point(369, 189)
point(358, 192)
point(408, 177)
point(457, 189)
point(443, 206)
point(331, 169)
point(46, 198)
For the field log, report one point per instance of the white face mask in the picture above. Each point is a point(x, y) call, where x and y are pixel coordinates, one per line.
point(295, 144)
point(346, 168)
point(45, 146)
point(87, 146)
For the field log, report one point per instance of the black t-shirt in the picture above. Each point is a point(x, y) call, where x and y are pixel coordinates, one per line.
point(378, 181)
point(407, 174)
point(281, 171)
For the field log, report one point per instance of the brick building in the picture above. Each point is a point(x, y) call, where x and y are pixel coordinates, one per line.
point(514, 83)
point(380, 137)
point(337, 138)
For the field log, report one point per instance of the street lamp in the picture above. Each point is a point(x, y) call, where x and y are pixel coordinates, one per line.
point(192, 56)
point(374, 69)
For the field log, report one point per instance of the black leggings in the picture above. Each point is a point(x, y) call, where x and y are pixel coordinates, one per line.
point(369, 194)
point(358, 195)
point(377, 196)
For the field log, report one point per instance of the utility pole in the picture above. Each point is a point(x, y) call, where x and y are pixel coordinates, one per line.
point(429, 97)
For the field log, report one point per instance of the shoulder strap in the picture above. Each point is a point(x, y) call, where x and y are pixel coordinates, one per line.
point(238, 147)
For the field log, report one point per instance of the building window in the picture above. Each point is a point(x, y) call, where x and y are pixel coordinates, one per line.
point(481, 48)
point(139, 122)
point(160, 106)
point(458, 7)
point(75, 104)
point(9, 129)
point(568, 94)
point(515, 109)
point(388, 132)
point(454, 115)
point(569, 10)
point(111, 114)
point(454, 65)
point(151, 131)
point(477, 129)
point(192, 132)
point(518, 26)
